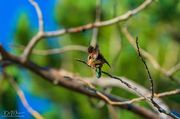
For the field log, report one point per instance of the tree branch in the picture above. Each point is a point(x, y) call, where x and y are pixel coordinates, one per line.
point(129, 85)
point(106, 82)
point(123, 17)
point(38, 36)
point(27, 51)
point(57, 78)
point(47, 34)
point(39, 15)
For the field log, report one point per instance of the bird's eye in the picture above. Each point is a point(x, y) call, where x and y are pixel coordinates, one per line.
point(89, 57)
point(90, 49)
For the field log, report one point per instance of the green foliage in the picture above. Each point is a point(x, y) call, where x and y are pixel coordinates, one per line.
point(8, 100)
point(71, 13)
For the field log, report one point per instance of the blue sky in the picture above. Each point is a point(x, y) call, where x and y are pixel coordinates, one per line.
point(10, 10)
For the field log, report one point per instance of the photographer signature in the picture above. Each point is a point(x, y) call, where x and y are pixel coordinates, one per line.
point(12, 113)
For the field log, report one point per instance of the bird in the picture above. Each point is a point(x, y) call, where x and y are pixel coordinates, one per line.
point(96, 60)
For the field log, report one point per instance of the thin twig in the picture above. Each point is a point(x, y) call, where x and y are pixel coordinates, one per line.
point(160, 109)
point(149, 75)
point(39, 14)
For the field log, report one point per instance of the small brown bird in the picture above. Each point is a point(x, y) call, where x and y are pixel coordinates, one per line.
point(96, 59)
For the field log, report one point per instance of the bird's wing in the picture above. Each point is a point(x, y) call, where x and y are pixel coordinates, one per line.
point(100, 57)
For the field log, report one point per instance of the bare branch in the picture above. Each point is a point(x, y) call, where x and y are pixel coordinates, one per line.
point(38, 36)
point(39, 15)
point(22, 97)
point(31, 45)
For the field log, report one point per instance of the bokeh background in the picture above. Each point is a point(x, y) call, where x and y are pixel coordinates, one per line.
point(157, 26)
